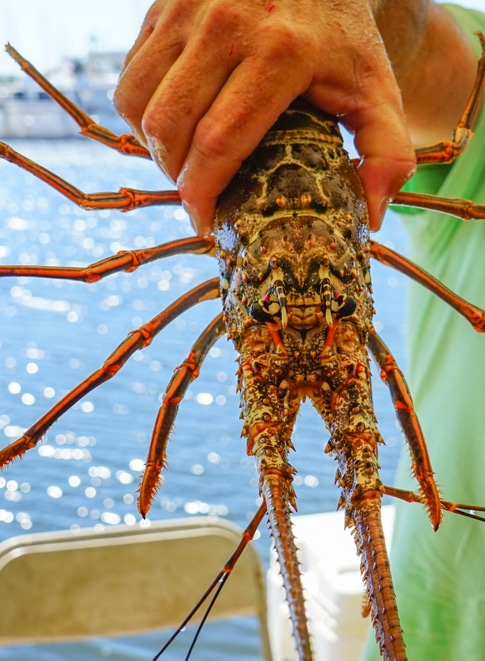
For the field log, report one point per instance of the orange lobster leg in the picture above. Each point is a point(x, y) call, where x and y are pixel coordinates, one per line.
point(135, 340)
point(469, 511)
point(474, 314)
point(125, 260)
point(125, 143)
point(125, 199)
point(175, 392)
point(447, 150)
point(464, 209)
point(401, 397)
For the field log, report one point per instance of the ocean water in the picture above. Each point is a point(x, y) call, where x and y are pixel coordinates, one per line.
point(54, 333)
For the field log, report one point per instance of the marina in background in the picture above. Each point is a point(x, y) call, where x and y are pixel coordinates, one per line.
point(26, 111)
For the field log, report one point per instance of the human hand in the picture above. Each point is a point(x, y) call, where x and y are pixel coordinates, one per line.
point(206, 79)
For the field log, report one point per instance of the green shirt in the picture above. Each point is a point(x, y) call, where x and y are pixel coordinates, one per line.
point(439, 578)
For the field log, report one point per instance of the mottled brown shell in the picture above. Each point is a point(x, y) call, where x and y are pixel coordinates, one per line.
point(295, 212)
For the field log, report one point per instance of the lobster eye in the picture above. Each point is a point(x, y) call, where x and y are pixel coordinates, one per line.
point(258, 313)
point(344, 306)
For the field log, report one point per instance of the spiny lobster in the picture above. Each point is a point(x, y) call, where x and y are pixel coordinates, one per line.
point(291, 238)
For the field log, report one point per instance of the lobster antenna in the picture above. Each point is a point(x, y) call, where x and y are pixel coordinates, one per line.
point(219, 581)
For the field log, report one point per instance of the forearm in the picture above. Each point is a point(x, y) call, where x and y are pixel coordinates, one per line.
point(433, 62)
point(402, 24)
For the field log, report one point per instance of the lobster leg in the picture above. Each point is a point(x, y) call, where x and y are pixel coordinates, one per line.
point(175, 392)
point(464, 209)
point(136, 340)
point(462, 509)
point(447, 151)
point(125, 143)
point(401, 397)
point(125, 199)
point(474, 314)
point(125, 260)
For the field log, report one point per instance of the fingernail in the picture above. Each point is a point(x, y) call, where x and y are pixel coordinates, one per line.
point(377, 207)
point(410, 174)
point(191, 215)
point(382, 208)
point(141, 138)
point(199, 228)
point(158, 154)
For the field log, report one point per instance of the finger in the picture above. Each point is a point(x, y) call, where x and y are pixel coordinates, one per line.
point(357, 84)
point(146, 65)
point(388, 157)
point(180, 101)
point(381, 138)
point(147, 27)
point(229, 132)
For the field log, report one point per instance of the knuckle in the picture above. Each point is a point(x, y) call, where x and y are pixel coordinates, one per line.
point(129, 111)
point(159, 132)
point(284, 42)
point(221, 12)
point(154, 12)
point(155, 126)
point(122, 105)
point(221, 22)
point(211, 139)
point(161, 120)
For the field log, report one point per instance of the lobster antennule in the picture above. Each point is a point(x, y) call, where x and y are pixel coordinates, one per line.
point(371, 546)
point(269, 445)
point(278, 494)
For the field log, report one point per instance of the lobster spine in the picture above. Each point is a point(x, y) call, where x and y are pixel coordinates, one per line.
point(369, 539)
point(274, 489)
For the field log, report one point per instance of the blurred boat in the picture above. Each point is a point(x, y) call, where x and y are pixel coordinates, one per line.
point(26, 111)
